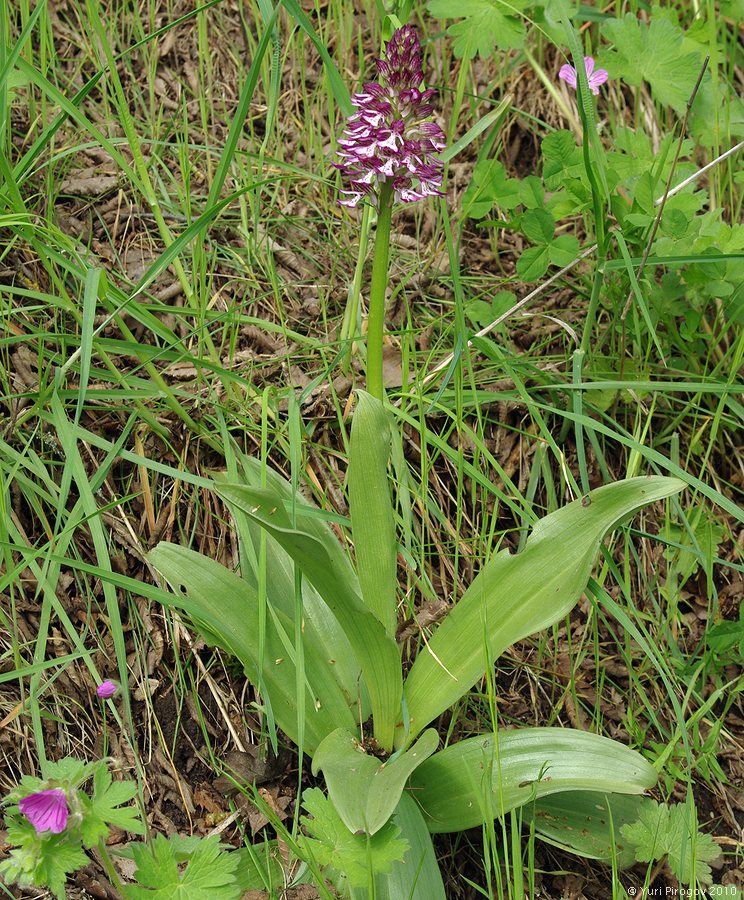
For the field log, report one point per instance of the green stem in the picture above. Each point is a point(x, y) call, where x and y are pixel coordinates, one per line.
point(376, 316)
point(108, 865)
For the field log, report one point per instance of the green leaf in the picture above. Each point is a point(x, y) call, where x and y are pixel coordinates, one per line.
point(538, 226)
point(320, 627)
point(586, 823)
point(515, 596)
point(102, 809)
point(207, 875)
point(483, 777)
point(663, 830)
point(487, 25)
point(358, 856)
point(489, 187)
point(707, 534)
point(225, 608)
point(563, 249)
point(561, 159)
point(372, 519)
point(652, 52)
point(364, 789)
point(258, 867)
point(417, 876)
point(326, 566)
point(533, 263)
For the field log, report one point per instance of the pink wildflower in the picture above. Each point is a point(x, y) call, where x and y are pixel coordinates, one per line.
point(107, 689)
point(391, 137)
point(568, 74)
point(46, 810)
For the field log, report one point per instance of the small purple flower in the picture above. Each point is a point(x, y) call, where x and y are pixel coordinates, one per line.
point(107, 689)
point(46, 810)
point(568, 74)
point(391, 138)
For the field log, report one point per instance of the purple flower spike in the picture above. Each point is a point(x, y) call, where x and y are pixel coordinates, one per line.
point(568, 74)
point(107, 689)
point(391, 138)
point(46, 810)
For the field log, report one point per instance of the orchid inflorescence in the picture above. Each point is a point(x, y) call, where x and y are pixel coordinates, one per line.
point(391, 139)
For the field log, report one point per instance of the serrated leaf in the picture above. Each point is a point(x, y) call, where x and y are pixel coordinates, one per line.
point(663, 830)
point(483, 777)
point(652, 52)
point(356, 855)
point(364, 789)
point(207, 875)
point(487, 25)
point(514, 596)
point(103, 808)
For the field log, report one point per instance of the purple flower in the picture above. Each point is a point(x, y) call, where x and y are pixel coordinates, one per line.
point(391, 137)
point(568, 74)
point(46, 810)
point(107, 689)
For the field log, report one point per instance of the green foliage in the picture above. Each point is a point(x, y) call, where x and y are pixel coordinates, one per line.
point(489, 187)
point(175, 869)
point(538, 226)
point(587, 823)
point(487, 26)
point(364, 789)
point(39, 861)
point(665, 831)
point(355, 855)
point(372, 519)
point(517, 595)
point(226, 609)
point(104, 808)
point(324, 563)
point(481, 778)
point(725, 640)
point(481, 313)
point(652, 52)
point(45, 859)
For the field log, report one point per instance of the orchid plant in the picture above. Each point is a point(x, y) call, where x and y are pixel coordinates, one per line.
point(322, 651)
point(316, 633)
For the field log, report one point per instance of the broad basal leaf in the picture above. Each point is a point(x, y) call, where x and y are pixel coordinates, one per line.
point(225, 608)
point(364, 789)
point(484, 777)
point(372, 519)
point(515, 596)
point(586, 823)
point(320, 626)
point(325, 565)
point(417, 876)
